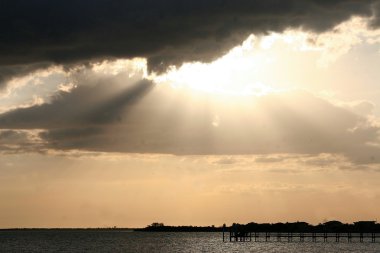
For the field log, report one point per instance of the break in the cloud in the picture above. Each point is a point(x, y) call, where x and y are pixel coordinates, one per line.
point(119, 112)
point(166, 32)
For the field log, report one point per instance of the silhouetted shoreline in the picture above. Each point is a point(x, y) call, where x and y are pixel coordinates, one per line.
point(296, 227)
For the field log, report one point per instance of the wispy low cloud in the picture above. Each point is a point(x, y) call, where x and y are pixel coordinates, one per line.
point(271, 188)
point(288, 164)
point(271, 159)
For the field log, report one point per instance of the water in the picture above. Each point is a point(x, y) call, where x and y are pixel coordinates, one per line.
point(124, 241)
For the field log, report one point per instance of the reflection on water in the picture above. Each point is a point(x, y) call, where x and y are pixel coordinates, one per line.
point(124, 241)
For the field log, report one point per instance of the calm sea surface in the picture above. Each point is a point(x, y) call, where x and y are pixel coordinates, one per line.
point(123, 241)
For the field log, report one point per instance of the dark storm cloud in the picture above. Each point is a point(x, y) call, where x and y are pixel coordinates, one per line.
point(166, 32)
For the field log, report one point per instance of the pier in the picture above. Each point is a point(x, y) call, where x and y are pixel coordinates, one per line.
point(244, 236)
point(330, 231)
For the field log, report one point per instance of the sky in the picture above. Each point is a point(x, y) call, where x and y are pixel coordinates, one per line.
point(125, 113)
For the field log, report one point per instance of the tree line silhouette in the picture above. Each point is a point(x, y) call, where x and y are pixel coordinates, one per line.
point(288, 227)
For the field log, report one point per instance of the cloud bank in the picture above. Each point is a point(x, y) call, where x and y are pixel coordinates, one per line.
point(123, 113)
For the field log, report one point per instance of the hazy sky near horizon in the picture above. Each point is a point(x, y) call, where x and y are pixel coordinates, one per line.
point(202, 112)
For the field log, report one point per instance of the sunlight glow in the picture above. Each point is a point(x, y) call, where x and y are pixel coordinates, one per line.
point(224, 76)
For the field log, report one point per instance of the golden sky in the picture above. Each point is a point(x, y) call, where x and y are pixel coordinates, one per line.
point(282, 127)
